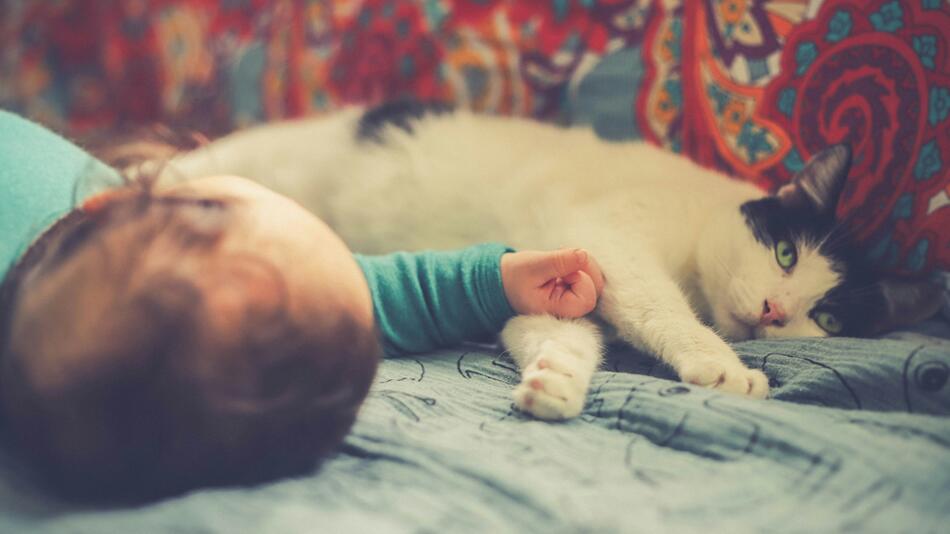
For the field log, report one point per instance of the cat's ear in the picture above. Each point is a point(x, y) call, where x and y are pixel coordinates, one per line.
point(820, 182)
point(908, 302)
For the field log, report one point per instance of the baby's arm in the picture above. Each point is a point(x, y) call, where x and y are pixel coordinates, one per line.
point(429, 300)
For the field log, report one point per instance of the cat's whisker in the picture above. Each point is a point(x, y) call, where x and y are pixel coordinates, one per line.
point(741, 286)
point(841, 230)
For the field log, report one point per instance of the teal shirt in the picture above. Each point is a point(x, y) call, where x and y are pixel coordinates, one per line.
point(428, 300)
point(42, 177)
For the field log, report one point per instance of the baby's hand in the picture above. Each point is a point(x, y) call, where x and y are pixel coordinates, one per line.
point(564, 283)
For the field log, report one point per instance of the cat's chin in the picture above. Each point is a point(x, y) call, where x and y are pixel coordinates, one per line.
point(735, 329)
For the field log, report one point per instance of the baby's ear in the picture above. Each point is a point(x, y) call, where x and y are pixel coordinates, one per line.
point(908, 302)
point(818, 185)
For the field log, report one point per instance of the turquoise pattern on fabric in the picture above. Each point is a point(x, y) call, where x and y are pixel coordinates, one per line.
point(793, 161)
point(839, 27)
point(918, 255)
point(904, 207)
point(928, 162)
point(926, 48)
point(754, 140)
point(805, 54)
point(786, 101)
point(889, 18)
point(939, 105)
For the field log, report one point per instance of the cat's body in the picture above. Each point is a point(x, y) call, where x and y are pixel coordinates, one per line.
point(678, 248)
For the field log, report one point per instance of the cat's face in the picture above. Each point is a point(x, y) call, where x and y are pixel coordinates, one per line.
point(789, 274)
point(781, 267)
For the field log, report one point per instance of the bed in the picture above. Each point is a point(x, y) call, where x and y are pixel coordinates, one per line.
point(855, 438)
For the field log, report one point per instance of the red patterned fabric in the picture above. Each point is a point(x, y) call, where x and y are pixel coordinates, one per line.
point(751, 87)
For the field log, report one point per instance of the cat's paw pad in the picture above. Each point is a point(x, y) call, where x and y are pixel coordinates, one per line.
point(725, 376)
point(553, 388)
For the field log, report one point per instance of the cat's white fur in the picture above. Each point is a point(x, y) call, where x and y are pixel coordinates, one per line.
point(683, 270)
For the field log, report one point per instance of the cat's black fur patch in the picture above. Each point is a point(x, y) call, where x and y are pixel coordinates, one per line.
point(399, 113)
point(771, 222)
point(857, 302)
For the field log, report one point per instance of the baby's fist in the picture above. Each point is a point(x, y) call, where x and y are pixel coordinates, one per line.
point(564, 283)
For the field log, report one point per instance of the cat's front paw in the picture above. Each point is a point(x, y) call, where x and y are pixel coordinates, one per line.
point(553, 387)
point(724, 375)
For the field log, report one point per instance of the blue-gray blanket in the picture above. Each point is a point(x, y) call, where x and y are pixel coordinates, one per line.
point(855, 437)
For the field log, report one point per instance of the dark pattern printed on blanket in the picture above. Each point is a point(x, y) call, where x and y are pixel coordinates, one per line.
point(856, 438)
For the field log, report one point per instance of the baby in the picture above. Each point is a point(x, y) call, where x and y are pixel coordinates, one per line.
point(155, 340)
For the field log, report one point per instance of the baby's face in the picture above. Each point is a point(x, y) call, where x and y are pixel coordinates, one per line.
point(316, 273)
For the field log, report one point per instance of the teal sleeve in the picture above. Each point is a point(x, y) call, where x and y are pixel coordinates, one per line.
point(42, 177)
point(428, 300)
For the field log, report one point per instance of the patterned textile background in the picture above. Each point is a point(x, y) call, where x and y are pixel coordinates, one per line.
point(750, 87)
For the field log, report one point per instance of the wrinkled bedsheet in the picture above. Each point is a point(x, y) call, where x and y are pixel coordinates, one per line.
point(855, 437)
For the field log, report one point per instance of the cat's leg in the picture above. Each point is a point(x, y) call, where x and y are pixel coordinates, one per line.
point(650, 311)
point(557, 358)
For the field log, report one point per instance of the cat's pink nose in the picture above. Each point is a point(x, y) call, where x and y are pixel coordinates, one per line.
point(772, 314)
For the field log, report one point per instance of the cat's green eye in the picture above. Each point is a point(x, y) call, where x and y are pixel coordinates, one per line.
point(828, 322)
point(785, 254)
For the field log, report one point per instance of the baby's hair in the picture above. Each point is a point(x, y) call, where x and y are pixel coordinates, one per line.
point(114, 386)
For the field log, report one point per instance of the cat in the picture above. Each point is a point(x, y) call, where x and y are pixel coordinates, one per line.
point(692, 258)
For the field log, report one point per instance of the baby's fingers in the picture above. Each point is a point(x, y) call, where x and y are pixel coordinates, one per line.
point(576, 296)
point(592, 268)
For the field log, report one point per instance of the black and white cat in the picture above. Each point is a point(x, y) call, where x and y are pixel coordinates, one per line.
point(691, 257)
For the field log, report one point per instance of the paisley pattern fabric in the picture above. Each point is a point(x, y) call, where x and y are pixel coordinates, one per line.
point(751, 87)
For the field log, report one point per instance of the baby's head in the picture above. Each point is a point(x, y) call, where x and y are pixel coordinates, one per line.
point(155, 341)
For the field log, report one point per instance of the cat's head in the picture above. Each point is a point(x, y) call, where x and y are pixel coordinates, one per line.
point(794, 271)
